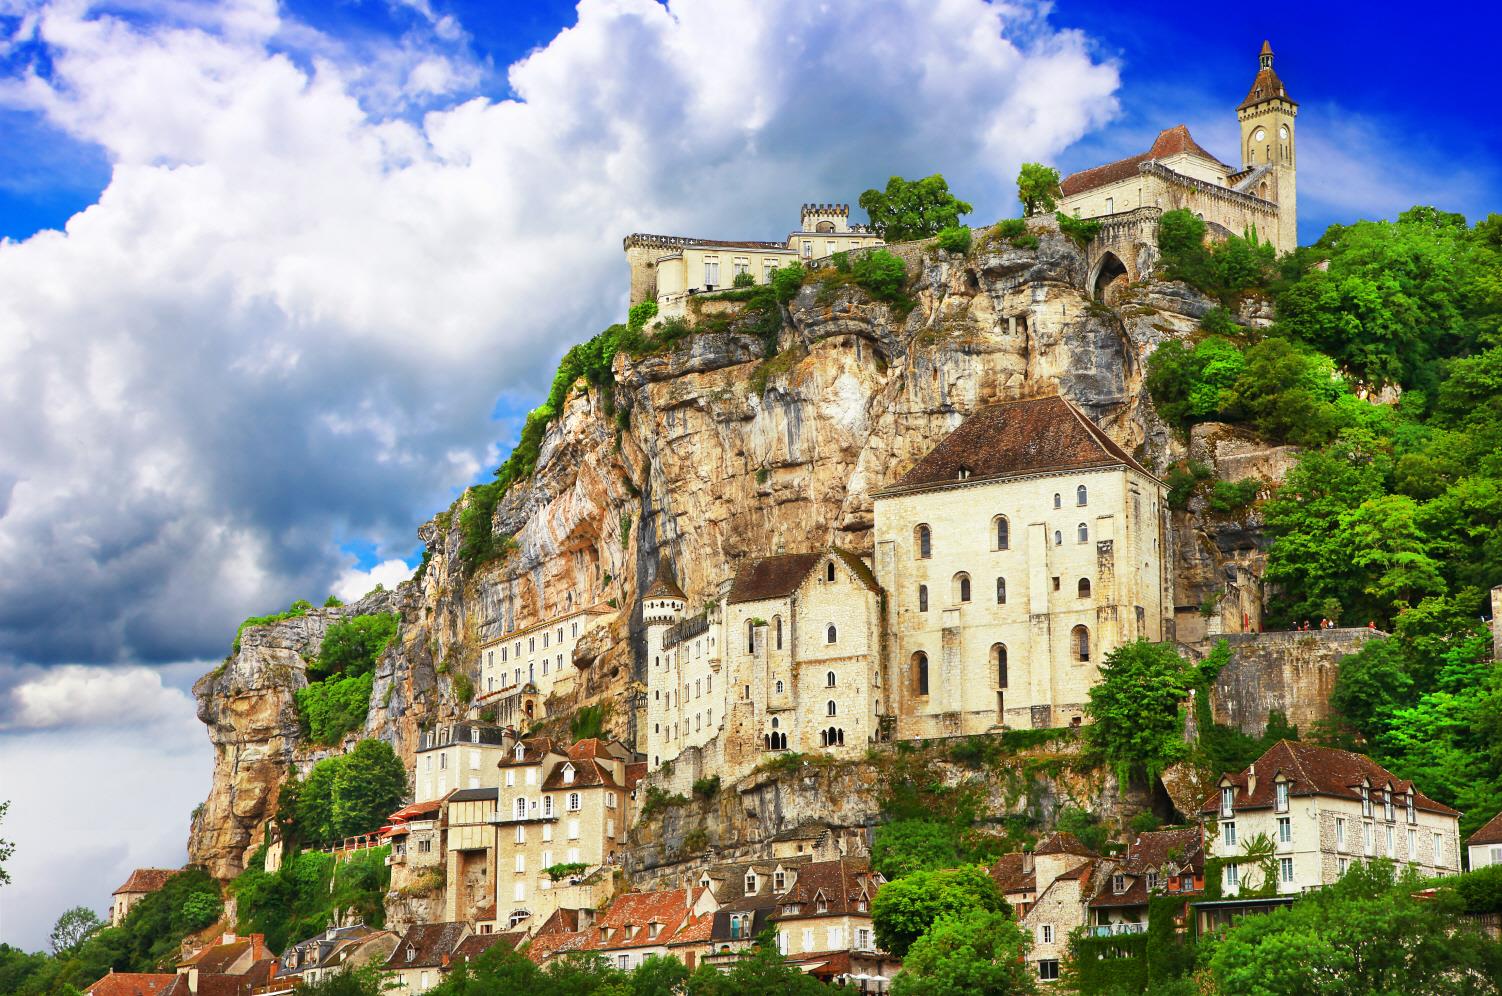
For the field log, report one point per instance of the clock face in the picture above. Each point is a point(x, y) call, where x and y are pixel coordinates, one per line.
point(1283, 132)
point(1260, 135)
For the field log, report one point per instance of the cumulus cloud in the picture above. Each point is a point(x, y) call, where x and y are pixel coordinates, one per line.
point(354, 584)
point(297, 303)
point(78, 696)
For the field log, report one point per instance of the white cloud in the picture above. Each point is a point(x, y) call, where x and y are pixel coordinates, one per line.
point(354, 584)
point(77, 696)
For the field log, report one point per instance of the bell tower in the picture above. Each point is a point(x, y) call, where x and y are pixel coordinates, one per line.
point(1268, 140)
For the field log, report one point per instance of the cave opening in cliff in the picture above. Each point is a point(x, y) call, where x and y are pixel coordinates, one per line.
point(1107, 271)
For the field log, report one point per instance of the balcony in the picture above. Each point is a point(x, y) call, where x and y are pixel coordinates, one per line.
point(1117, 929)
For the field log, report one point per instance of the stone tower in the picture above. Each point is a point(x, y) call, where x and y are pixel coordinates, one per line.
point(1267, 145)
point(662, 607)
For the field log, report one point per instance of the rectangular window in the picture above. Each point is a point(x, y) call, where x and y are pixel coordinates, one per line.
point(1048, 969)
point(711, 271)
point(547, 831)
point(1439, 850)
point(547, 805)
point(519, 892)
point(1340, 833)
point(1368, 839)
point(547, 859)
point(1228, 833)
point(768, 267)
point(740, 265)
point(808, 938)
point(1413, 844)
point(1285, 870)
point(1341, 864)
point(531, 776)
point(808, 248)
point(1388, 840)
point(521, 833)
point(1227, 800)
point(1281, 792)
point(573, 855)
point(1233, 876)
point(1366, 801)
point(1285, 830)
point(510, 777)
point(1045, 934)
point(521, 862)
point(573, 829)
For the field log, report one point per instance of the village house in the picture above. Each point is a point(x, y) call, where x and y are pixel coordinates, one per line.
point(231, 967)
point(141, 883)
point(134, 984)
point(1057, 883)
point(1484, 847)
point(1157, 863)
point(639, 925)
point(1018, 553)
point(1176, 172)
point(415, 834)
point(456, 756)
point(668, 269)
point(1301, 814)
point(422, 956)
point(521, 670)
point(335, 950)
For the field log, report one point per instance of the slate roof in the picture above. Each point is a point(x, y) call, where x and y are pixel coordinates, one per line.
point(665, 585)
point(772, 577)
point(1314, 770)
point(1035, 436)
point(843, 883)
point(131, 983)
point(430, 942)
point(1266, 85)
point(1490, 832)
point(1170, 142)
point(475, 795)
point(146, 880)
point(321, 949)
point(1011, 873)
point(475, 945)
point(807, 830)
point(534, 749)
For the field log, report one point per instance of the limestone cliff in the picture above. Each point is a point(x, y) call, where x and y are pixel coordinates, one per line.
point(715, 454)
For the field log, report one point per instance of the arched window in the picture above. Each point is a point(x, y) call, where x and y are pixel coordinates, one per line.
point(823, 738)
point(923, 598)
point(1084, 587)
point(829, 708)
point(774, 722)
point(923, 538)
point(750, 636)
point(777, 630)
point(829, 679)
point(1081, 495)
point(1058, 500)
point(1084, 532)
point(999, 663)
point(1080, 637)
point(521, 809)
point(920, 672)
point(1001, 591)
point(829, 571)
point(961, 587)
point(1003, 532)
point(1058, 538)
point(829, 633)
point(778, 686)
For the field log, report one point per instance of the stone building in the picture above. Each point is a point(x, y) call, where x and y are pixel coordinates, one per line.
point(1177, 172)
point(141, 883)
point(669, 269)
point(456, 756)
point(422, 957)
point(1321, 809)
point(335, 950)
point(1484, 847)
point(1157, 863)
point(1050, 891)
point(520, 671)
point(415, 833)
point(1015, 556)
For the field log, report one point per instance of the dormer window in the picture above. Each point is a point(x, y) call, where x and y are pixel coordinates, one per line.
point(1280, 794)
point(1118, 884)
point(1227, 800)
point(963, 474)
point(821, 904)
point(1152, 881)
point(779, 881)
point(1409, 806)
point(1366, 801)
point(411, 952)
point(1387, 813)
point(751, 883)
point(568, 774)
point(653, 929)
point(520, 753)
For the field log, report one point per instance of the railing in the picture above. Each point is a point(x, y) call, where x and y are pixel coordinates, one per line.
point(364, 842)
point(1117, 929)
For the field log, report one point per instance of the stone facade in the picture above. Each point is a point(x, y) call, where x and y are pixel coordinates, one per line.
point(456, 756)
point(520, 671)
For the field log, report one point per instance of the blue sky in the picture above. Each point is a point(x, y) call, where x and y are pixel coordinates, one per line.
point(277, 282)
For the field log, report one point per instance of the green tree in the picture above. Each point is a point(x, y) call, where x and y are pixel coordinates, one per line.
point(974, 953)
point(912, 209)
point(1038, 188)
point(7, 848)
point(881, 273)
point(367, 980)
point(72, 929)
point(368, 785)
point(659, 975)
point(313, 823)
point(1137, 724)
point(759, 970)
point(1367, 933)
point(955, 239)
point(353, 646)
point(905, 909)
point(906, 846)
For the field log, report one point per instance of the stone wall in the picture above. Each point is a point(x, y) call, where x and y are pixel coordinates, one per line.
point(1288, 672)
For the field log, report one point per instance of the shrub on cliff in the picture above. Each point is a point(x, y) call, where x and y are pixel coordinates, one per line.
point(329, 710)
point(881, 273)
point(913, 209)
point(955, 239)
point(353, 646)
point(302, 897)
point(343, 796)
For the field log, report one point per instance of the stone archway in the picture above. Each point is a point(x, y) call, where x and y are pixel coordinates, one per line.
point(1108, 270)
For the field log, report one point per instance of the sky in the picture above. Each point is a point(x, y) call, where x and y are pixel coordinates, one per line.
point(277, 281)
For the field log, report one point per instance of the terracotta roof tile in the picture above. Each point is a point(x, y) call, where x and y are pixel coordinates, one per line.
point(534, 749)
point(841, 884)
point(1490, 832)
point(1314, 770)
point(694, 930)
point(1170, 142)
point(131, 984)
point(635, 772)
point(216, 958)
point(475, 945)
point(1034, 436)
point(429, 943)
point(639, 910)
point(146, 880)
point(1012, 873)
point(1061, 842)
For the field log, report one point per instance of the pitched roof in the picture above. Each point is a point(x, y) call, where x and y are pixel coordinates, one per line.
point(1156, 848)
point(1062, 842)
point(841, 883)
point(694, 930)
point(1034, 436)
point(1013, 873)
point(146, 880)
point(772, 577)
point(475, 795)
point(534, 749)
point(1313, 770)
point(1266, 85)
point(635, 772)
point(475, 945)
point(588, 773)
point(668, 907)
point(807, 830)
point(217, 958)
point(665, 585)
point(1490, 832)
point(429, 943)
point(1170, 142)
point(131, 983)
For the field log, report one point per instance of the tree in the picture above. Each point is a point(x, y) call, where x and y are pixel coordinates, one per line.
point(760, 970)
point(353, 646)
point(1137, 726)
point(913, 209)
point(1038, 188)
point(981, 952)
point(72, 929)
point(905, 909)
point(1367, 933)
point(7, 848)
point(906, 846)
point(659, 975)
point(368, 785)
point(881, 273)
point(367, 980)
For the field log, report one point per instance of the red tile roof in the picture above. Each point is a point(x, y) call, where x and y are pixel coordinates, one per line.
point(219, 958)
point(1313, 770)
point(695, 930)
point(1170, 142)
point(1061, 842)
point(429, 943)
point(475, 945)
point(635, 772)
point(146, 880)
point(1266, 85)
point(131, 984)
point(1490, 832)
point(1038, 435)
point(638, 910)
point(1013, 873)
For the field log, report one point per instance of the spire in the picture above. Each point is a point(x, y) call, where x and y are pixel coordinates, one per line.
point(1266, 86)
point(1265, 59)
point(665, 585)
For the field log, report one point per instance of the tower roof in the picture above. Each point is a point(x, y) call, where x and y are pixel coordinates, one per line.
point(1170, 142)
point(1034, 436)
point(665, 585)
point(1266, 86)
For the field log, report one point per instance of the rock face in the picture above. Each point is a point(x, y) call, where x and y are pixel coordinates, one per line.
point(708, 455)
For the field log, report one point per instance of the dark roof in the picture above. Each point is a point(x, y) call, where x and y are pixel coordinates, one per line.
point(1035, 436)
point(842, 883)
point(1170, 142)
point(1013, 873)
point(665, 585)
point(807, 830)
point(1266, 85)
point(1490, 832)
point(429, 942)
point(475, 945)
point(588, 773)
point(534, 749)
point(146, 880)
point(321, 949)
point(772, 577)
point(857, 567)
point(1313, 770)
point(1153, 850)
point(1062, 842)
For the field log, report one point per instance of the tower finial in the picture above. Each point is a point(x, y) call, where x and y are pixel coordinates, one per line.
point(1265, 58)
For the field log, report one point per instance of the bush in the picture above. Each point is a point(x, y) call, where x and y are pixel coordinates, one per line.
point(955, 239)
point(881, 273)
point(1085, 826)
point(297, 608)
point(1010, 228)
point(200, 909)
point(331, 709)
point(742, 279)
point(905, 846)
point(353, 647)
point(1228, 497)
point(464, 686)
point(1183, 479)
point(975, 752)
point(1194, 383)
point(559, 872)
point(1081, 230)
point(786, 282)
point(1145, 822)
point(308, 891)
point(707, 788)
